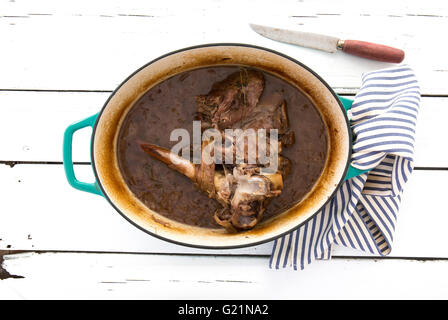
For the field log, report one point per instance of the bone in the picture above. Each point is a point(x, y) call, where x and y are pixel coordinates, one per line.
point(190, 170)
point(173, 160)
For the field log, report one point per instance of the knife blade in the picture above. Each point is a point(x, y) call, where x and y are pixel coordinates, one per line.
point(368, 50)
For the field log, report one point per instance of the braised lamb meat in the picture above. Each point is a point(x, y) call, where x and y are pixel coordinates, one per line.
point(230, 100)
point(243, 189)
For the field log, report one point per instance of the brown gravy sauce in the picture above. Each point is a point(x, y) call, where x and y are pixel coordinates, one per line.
point(170, 105)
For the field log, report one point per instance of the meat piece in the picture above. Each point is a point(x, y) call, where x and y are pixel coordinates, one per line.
point(246, 147)
point(223, 217)
point(248, 202)
point(270, 113)
point(205, 173)
point(284, 166)
point(288, 139)
point(223, 184)
point(230, 100)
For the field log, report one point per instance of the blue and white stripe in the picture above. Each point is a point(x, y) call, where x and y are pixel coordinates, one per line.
point(363, 212)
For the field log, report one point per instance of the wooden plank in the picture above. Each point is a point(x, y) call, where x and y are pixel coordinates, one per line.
point(55, 216)
point(95, 46)
point(40, 211)
point(33, 124)
point(92, 276)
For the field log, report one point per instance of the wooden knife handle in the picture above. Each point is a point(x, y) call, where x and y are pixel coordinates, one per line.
point(373, 51)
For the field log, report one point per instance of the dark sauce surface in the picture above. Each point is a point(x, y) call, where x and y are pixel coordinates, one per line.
point(170, 105)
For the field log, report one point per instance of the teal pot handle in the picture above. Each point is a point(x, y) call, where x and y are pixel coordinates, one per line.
point(352, 171)
point(68, 156)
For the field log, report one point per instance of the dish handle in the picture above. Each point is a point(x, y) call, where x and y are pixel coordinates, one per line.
point(352, 171)
point(67, 153)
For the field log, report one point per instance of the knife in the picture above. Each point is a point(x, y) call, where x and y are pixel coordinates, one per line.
point(322, 42)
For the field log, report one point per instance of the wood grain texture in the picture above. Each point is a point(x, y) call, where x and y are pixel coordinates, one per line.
point(40, 211)
point(373, 51)
point(95, 46)
point(90, 276)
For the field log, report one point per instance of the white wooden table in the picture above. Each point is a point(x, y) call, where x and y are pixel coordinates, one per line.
point(59, 61)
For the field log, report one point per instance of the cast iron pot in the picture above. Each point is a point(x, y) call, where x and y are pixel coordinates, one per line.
point(106, 126)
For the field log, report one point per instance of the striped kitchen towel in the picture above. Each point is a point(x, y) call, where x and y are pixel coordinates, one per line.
point(363, 212)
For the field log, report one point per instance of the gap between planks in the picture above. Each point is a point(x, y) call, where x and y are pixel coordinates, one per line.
point(252, 256)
